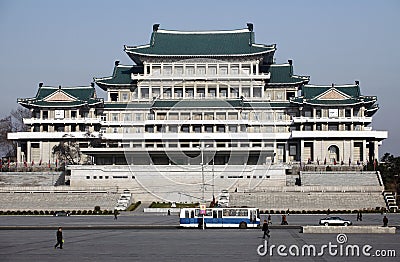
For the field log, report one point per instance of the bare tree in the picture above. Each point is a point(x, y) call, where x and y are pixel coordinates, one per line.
point(68, 152)
point(7, 146)
point(10, 124)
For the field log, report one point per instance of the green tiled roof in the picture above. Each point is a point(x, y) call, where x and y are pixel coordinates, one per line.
point(283, 74)
point(351, 95)
point(121, 76)
point(311, 91)
point(79, 96)
point(212, 43)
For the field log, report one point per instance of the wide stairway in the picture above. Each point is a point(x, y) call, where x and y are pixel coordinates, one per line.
point(341, 190)
point(57, 201)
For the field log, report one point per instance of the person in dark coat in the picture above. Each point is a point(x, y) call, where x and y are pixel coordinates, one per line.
point(59, 238)
point(265, 229)
point(385, 221)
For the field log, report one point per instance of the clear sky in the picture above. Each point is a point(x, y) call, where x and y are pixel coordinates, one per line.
point(69, 42)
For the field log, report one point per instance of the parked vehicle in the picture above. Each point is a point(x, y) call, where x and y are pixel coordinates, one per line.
point(61, 214)
point(335, 221)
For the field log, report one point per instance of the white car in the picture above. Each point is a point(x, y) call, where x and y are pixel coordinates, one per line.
point(120, 207)
point(334, 221)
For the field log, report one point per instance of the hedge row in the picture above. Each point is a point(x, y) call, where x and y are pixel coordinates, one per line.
point(322, 211)
point(47, 213)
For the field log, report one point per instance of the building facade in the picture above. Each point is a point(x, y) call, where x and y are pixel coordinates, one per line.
point(203, 98)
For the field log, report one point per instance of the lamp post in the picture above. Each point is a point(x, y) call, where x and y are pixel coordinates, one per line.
point(202, 177)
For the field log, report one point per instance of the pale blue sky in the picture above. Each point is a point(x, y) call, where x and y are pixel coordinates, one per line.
point(70, 42)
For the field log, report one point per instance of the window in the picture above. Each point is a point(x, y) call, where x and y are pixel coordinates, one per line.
point(290, 94)
point(178, 92)
point(149, 129)
point(167, 70)
point(318, 113)
point(127, 117)
point(223, 92)
point(156, 70)
point(212, 70)
point(197, 129)
point(245, 115)
point(246, 91)
point(307, 127)
point(234, 93)
point(150, 116)
point(201, 70)
point(138, 116)
point(178, 70)
point(73, 114)
point(279, 95)
point(280, 116)
point(209, 129)
point(185, 129)
point(212, 92)
point(308, 113)
point(347, 112)
point(232, 129)
point(189, 70)
point(221, 129)
point(45, 114)
point(189, 92)
point(114, 97)
point(223, 70)
point(114, 117)
point(173, 129)
point(269, 116)
point(201, 92)
point(257, 92)
point(221, 116)
point(155, 92)
point(125, 96)
point(145, 92)
point(333, 127)
point(232, 116)
point(234, 70)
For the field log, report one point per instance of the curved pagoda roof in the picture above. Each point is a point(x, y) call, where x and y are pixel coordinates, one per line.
point(60, 97)
point(282, 74)
point(121, 76)
point(169, 43)
point(334, 95)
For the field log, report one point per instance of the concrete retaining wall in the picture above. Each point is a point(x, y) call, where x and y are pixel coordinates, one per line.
point(348, 230)
point(161, 210)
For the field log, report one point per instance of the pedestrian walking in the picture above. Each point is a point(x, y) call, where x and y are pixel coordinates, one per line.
point(385, 221)
point(265, 229)
point(60, 239)
point(269, 220)
point(284, 220)
point(115, 214)
point(360, 216)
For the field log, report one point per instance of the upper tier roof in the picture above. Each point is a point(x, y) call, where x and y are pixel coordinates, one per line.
point(48, 96)
point(200, 44)
point(339, 95)
point(121, 76)
point(282, 74)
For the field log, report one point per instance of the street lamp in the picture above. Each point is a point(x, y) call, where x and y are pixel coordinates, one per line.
point(202, 176)
point(202, 170)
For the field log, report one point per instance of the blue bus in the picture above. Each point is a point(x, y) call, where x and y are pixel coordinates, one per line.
point(230, 217)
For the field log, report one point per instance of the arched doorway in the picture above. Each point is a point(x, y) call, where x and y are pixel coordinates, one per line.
point(333, 154)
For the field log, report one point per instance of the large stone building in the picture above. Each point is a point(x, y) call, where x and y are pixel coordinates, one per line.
point(205, 102)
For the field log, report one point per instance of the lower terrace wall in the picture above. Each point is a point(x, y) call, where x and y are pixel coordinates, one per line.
point(178, 183)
